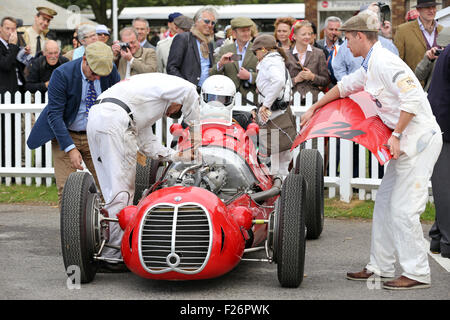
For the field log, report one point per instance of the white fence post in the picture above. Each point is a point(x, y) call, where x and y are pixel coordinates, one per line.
point(346, 170)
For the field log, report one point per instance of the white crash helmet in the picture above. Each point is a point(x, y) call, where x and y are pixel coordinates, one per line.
point(218, 88)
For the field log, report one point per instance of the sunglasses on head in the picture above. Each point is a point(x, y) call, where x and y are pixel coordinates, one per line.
point(211, 22)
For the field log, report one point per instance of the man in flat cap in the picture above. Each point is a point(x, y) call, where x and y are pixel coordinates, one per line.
point(415, 145)
point(73, 89)
point(35, 36)
point(237, 60)
point(415, 37)
point(181, 24)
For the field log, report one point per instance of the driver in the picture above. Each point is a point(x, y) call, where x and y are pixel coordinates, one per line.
point(222, 89)
point(119, 124)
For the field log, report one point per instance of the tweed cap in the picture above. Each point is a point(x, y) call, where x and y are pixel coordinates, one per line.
point(264, 41)
point(241, 22)
point(99, 56)
point(363, 21)
point(184, 22)
point(47, 11)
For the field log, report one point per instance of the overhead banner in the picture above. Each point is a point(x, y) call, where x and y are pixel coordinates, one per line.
point(354, 119)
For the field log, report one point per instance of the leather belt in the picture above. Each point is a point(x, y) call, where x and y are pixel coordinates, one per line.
point(77, 132)
point(117, 102)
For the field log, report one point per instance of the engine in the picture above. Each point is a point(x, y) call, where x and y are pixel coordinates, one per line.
point(222, 172)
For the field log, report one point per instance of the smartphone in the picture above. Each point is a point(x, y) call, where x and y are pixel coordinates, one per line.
point(236, 57)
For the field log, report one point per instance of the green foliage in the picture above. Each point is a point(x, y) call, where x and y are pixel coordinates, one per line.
point(29, 194)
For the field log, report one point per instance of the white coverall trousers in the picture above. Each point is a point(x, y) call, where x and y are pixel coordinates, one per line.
point(113, 148)
point(396, 227)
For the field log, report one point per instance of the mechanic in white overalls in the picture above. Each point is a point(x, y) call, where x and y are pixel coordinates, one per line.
point(121, 123)
point(415, 144)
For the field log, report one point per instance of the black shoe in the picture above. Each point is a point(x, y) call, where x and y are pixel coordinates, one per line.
point(445, 254)
point(106, 267)
point(435, 246)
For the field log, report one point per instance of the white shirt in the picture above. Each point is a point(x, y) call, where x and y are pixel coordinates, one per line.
point(428, 36)
point(301, 57)
point(148, 95)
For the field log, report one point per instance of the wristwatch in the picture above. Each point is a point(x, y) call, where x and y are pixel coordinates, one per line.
point(398, 135)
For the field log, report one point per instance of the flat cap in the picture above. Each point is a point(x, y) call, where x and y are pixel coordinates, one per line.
point(173, 15)
point(47, 11)
point(99, 56)
point(264, 41)
point(101, 28)
point(183, 22)
point(241, 22)
point(363, 21)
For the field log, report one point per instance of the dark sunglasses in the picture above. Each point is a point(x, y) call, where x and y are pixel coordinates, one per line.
point(207, 21)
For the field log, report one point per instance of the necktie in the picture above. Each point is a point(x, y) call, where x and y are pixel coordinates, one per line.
point(91, 96)
point(38, 45)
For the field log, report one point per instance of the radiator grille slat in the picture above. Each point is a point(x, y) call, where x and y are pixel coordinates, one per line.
point(175, 238)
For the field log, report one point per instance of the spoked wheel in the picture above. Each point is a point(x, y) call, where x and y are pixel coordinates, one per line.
point(309, 164)
point(145, 177)
point(289, 232)
point(81, 232)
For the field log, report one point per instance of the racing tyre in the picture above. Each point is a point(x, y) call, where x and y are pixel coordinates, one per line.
point(145, 177)
point(80, 234)
point(309, 164)
point(290, 232)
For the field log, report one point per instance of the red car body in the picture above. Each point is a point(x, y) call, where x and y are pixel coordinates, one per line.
point(181, 233)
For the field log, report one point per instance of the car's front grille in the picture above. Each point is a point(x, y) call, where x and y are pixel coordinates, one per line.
point(175, 238)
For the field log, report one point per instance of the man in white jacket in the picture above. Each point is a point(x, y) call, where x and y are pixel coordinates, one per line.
point(121, 123)
point(415, 144)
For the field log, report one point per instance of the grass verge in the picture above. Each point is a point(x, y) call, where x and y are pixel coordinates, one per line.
point(356, 209)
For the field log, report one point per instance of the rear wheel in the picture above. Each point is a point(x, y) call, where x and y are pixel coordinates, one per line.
point(309, 164)
point(80, 226)
point(289, 226)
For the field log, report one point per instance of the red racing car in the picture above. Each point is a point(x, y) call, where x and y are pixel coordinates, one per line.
point(197, 220)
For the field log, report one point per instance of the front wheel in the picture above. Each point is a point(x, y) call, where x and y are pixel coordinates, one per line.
point(289, 240)
point(80, 226)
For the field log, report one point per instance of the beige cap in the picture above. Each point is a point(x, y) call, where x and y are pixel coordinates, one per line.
point(264, 41)
point(47, 11)
point(363, 21)
point(183, 22)
point(241, 22)
point(99, 56)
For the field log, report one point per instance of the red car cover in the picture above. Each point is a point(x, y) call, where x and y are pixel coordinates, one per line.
point(354, 119)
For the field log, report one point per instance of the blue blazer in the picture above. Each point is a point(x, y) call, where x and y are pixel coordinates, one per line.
point(64, 97)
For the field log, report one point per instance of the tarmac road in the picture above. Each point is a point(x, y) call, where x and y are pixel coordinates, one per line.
point(31, 267)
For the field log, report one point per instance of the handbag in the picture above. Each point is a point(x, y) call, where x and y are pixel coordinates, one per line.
point(286, 127)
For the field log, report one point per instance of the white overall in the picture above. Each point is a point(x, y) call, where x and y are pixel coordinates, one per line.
point(396, 229)
point(114, 138)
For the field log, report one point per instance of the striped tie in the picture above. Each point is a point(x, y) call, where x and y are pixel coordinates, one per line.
point(91, 96)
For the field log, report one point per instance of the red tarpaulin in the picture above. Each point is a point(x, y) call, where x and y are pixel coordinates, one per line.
point(354, 119)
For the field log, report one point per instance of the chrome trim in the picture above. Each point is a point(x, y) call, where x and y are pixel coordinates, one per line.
point(174, 260)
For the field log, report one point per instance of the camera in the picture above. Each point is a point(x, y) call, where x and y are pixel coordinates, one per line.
point(279, 104)
point(385, 11)
point(438, 52)
point(124, 46)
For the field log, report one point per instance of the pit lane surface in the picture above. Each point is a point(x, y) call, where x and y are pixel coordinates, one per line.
point(31, 267)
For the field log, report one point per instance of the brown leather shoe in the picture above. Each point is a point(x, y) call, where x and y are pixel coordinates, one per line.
point(404, 283)
point(363, 275)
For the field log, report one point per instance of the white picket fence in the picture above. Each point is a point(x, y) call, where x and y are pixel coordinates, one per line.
point(28, 166)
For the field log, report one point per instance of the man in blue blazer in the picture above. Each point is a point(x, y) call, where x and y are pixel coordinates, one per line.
point(73, 89)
